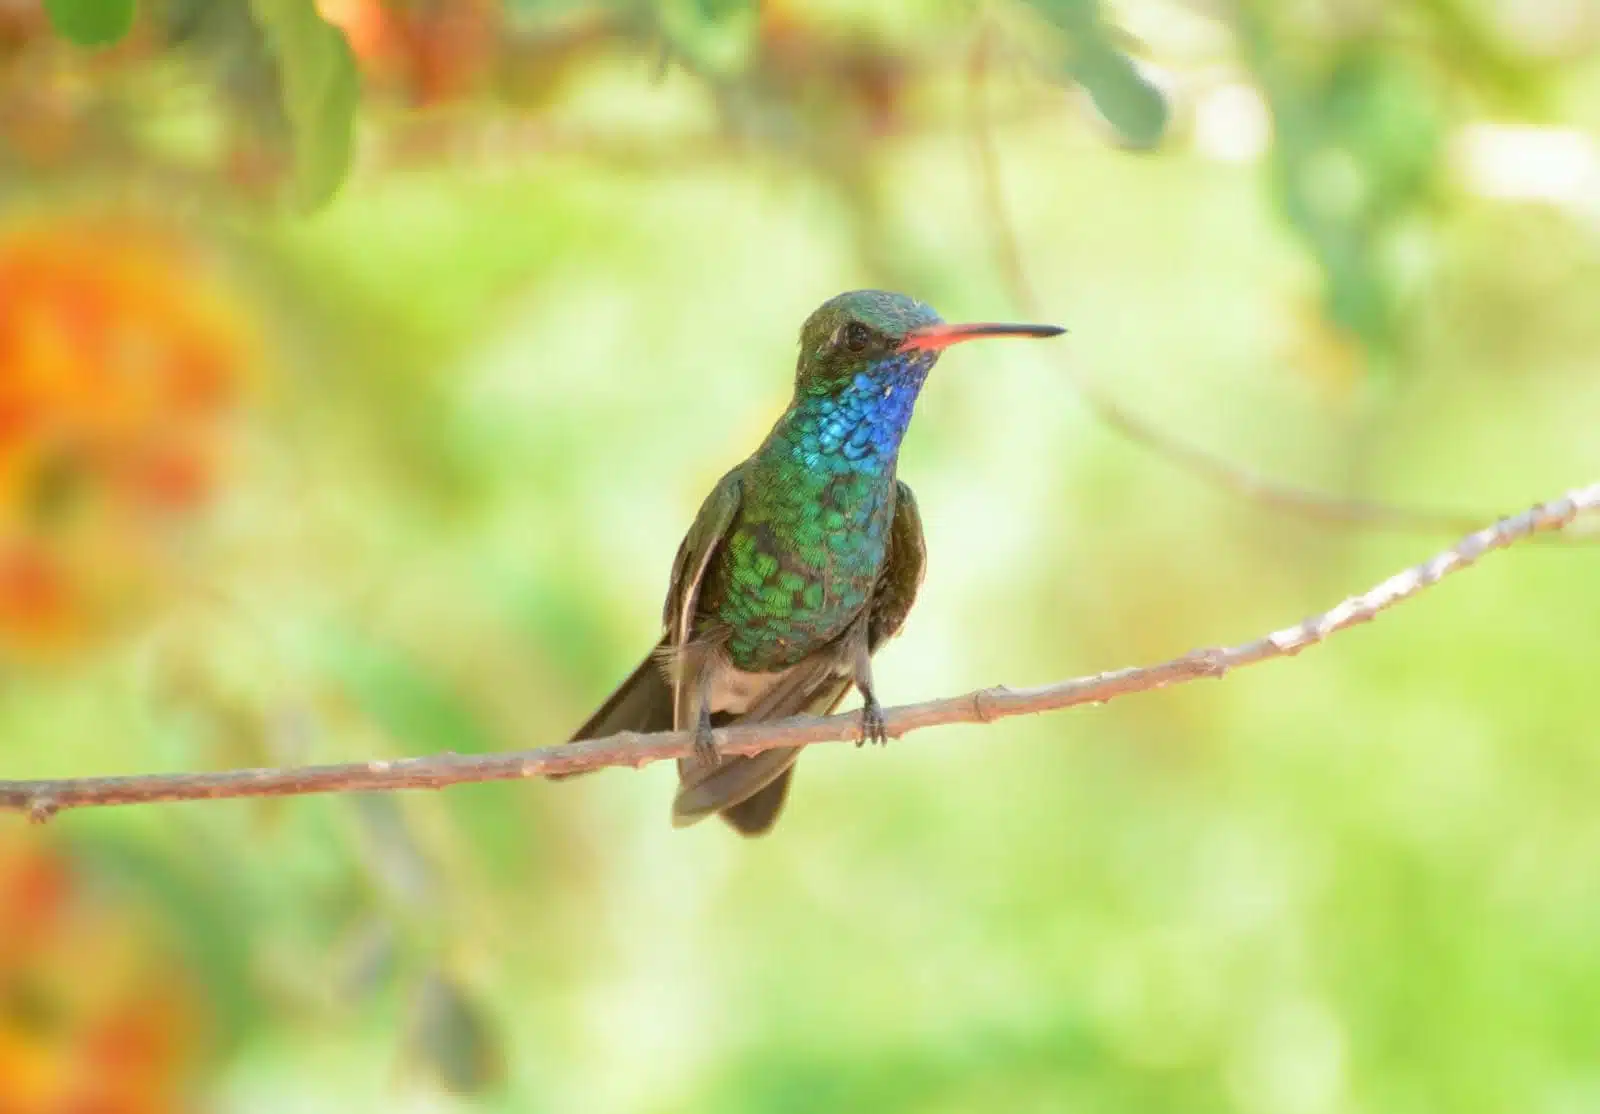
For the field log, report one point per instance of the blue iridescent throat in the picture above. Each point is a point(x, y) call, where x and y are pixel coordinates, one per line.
point(861, 426)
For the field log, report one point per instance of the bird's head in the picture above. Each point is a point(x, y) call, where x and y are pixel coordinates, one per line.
point(874, 338)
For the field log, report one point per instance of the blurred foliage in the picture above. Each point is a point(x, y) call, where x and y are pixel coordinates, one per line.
point(317, 73)
point(406, 473)
point(1128, 101)
point(91, 22)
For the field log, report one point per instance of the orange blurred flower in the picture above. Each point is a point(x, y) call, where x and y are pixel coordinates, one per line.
point(121, 362)
point(431, 51)
point(97, 1014)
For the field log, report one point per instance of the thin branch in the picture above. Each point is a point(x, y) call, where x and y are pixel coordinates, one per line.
point(1213, 469)
point(42, 799)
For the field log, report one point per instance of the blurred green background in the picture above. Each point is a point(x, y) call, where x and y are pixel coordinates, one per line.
point(335, 427)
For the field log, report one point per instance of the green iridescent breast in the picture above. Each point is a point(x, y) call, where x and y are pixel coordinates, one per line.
point(799, 562)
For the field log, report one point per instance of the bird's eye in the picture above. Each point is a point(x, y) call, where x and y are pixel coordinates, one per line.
point(856, 336)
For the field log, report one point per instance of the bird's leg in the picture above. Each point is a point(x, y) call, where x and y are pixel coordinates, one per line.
point(705, 744)
point(873, 729)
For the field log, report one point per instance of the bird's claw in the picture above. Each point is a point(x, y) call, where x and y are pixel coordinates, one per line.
point(705, 745)
point(873, 729)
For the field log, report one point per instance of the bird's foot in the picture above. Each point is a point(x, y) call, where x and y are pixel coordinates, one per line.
point(705, 745)
point(873, 729)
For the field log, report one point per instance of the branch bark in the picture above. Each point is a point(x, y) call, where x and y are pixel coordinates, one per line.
point(41, 800)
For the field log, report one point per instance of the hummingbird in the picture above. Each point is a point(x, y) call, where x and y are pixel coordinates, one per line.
point(800, 564)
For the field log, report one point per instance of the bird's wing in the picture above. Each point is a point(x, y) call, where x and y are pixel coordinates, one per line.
point(648, 699)
point(757, 784)
point(694, 557)
point(710, 526)
point(902, 573)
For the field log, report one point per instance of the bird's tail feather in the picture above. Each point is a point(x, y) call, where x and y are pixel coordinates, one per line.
point(749, 790)
point(641, 703)
point(756, 814)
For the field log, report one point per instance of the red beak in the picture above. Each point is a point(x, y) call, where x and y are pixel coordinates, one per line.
point(936, 338)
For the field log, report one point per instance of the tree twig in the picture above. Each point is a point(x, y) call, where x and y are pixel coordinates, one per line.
point(1207, 466)
point(42, 799)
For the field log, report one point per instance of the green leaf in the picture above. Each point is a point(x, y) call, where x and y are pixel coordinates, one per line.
point(1130, 104)
point(90, 22)
point(715, 36)
point(1097, 61)
point(455, 1038)
point(320, 86)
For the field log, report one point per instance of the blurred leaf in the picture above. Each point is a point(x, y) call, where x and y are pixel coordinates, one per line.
point(455, 1038)
point(425, 714)
point(317, 72)
point(712, 36)
point(369, 960)
point(1129, 103)
point(390, 848)
point(1360, 135)
point(90, 22)
point(1096, 60)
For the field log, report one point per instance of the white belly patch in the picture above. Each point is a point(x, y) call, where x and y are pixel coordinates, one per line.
point(733, 690)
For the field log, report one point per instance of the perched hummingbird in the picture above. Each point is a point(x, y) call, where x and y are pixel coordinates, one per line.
point(801, 563)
